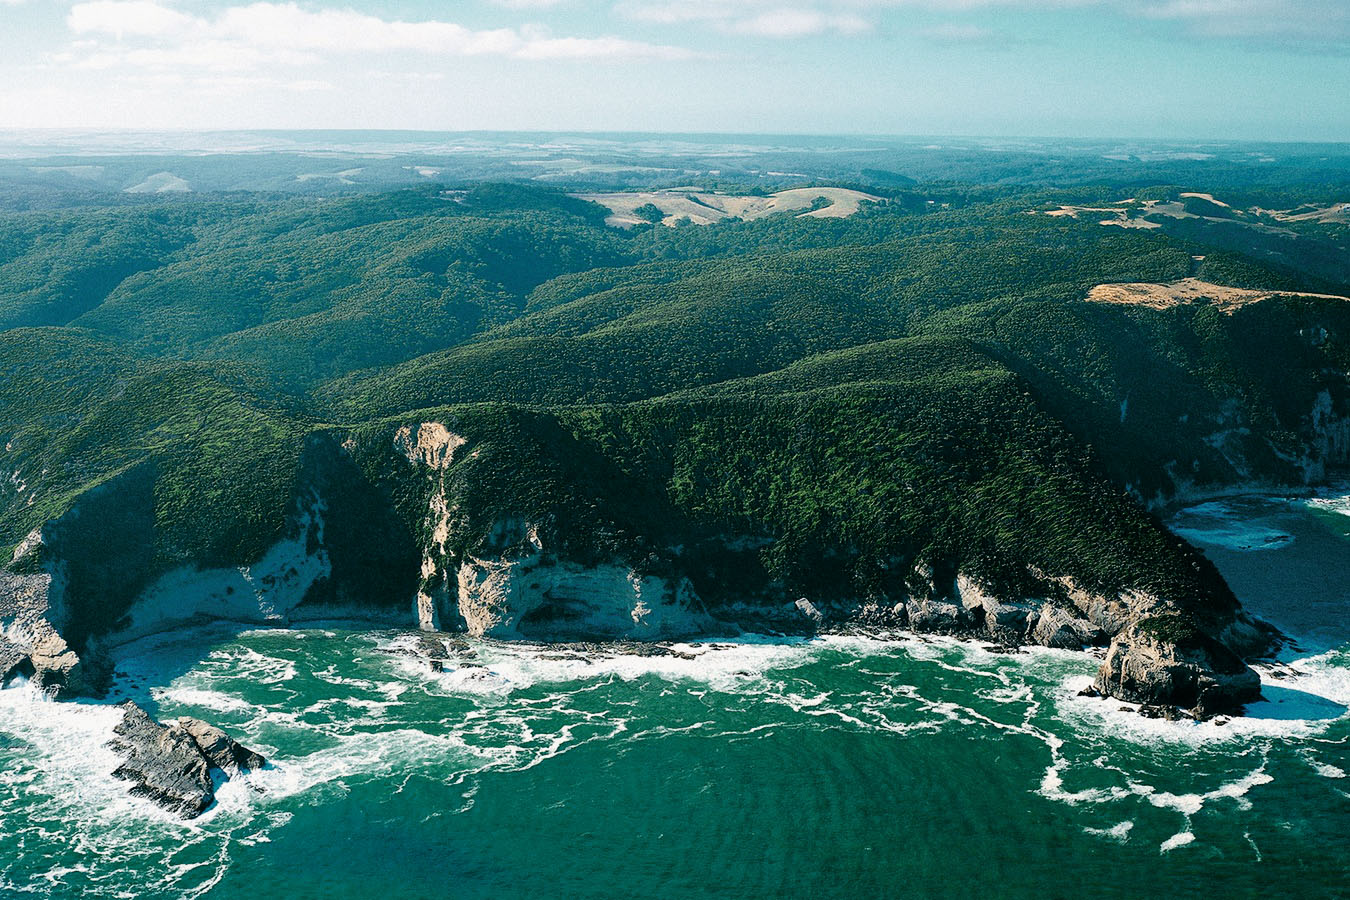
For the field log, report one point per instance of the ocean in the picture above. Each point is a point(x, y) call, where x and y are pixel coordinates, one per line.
point(860, 765)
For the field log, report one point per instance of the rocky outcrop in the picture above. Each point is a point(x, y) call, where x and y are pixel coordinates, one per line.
point(163, 764)
point(1163, 660)
point(531, 596)
point(31, 644)
point(1053, 626)
point(1330, 438)
point(431, 448)
point(969, 606)
point(1005, 621)
point(56, 666)
point(14, 662)
point(1158, 656)
point(173, 765)
point(221, 751)
point(436, 650)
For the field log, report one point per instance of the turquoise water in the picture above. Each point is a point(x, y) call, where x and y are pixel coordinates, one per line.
point(856, 766)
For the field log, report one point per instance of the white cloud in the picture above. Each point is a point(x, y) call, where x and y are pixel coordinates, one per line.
point(527, 4)
point(1309, 24)
point(958, 33)
point(147, 34)
point(1313, 21)
point(676, 12)
point(123, 18)
point(796, 23)
point(754, 17)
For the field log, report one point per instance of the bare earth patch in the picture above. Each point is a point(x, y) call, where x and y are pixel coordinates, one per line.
point(705, 208)
point(1188, 290)
point(1209, 197)
point(1113, 215)
point(1337, 212)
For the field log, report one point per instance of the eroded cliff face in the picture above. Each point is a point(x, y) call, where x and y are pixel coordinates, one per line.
point(66, 637)
point(376, 529)
point(522, 593)
point(513, 586)
point(1329, 425)
point(101, 575)
point(430, 449)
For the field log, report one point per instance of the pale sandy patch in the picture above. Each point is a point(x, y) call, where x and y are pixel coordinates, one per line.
point(160, 183)
point(1209, 197)
point(1154, 295)
point(1117, 214)
point(706, 208)
point(1337, 212)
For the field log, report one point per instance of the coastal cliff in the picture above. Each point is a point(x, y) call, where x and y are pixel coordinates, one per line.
point(407, 523)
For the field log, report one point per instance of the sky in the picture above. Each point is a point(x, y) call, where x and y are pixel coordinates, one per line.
point(1171, 69)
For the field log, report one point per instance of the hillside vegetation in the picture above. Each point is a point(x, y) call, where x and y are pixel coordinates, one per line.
point(780, 408)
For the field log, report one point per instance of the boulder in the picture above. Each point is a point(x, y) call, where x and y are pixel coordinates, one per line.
point(929, 614)
point(1007, 622)
point(808, 609)
point(55, 665)
point(1056, 627)
point(1165, 661)
point(1004, 622)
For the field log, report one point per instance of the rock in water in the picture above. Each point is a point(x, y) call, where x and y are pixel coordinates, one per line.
point(172, 764)
point(1165, 661)
point(221, 751)
point(164, 764)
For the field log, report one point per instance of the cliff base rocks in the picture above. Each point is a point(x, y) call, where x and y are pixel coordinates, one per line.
point(1162, 661)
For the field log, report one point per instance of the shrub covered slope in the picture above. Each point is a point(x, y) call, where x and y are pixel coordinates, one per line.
point(913, 414)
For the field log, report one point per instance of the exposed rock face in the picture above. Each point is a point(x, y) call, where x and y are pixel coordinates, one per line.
point(363, 543)
point(432, 447)
point(173, 764)
point(809, 610)
point(221, 751)
point(14, 662)
point(1158, 655)
point(28, 606)
point(163, 764)
point(54, 664)
point(937, 615)
point(1056, 627)
point(1330, 442)
point(1160, 661)
point(1005, 621)
point(515, 588)
point(267, 590)
point(534, 597)
point(933, 604)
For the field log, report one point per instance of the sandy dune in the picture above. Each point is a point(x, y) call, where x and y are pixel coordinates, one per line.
point(160, 183)
point(1188, 290)
point(1209, 197)
point(1131, 217)
point(1337, 212)
point(1114, 215)
point(704, 208)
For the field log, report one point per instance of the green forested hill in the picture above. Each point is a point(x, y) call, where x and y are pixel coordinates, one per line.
point(815, 408)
